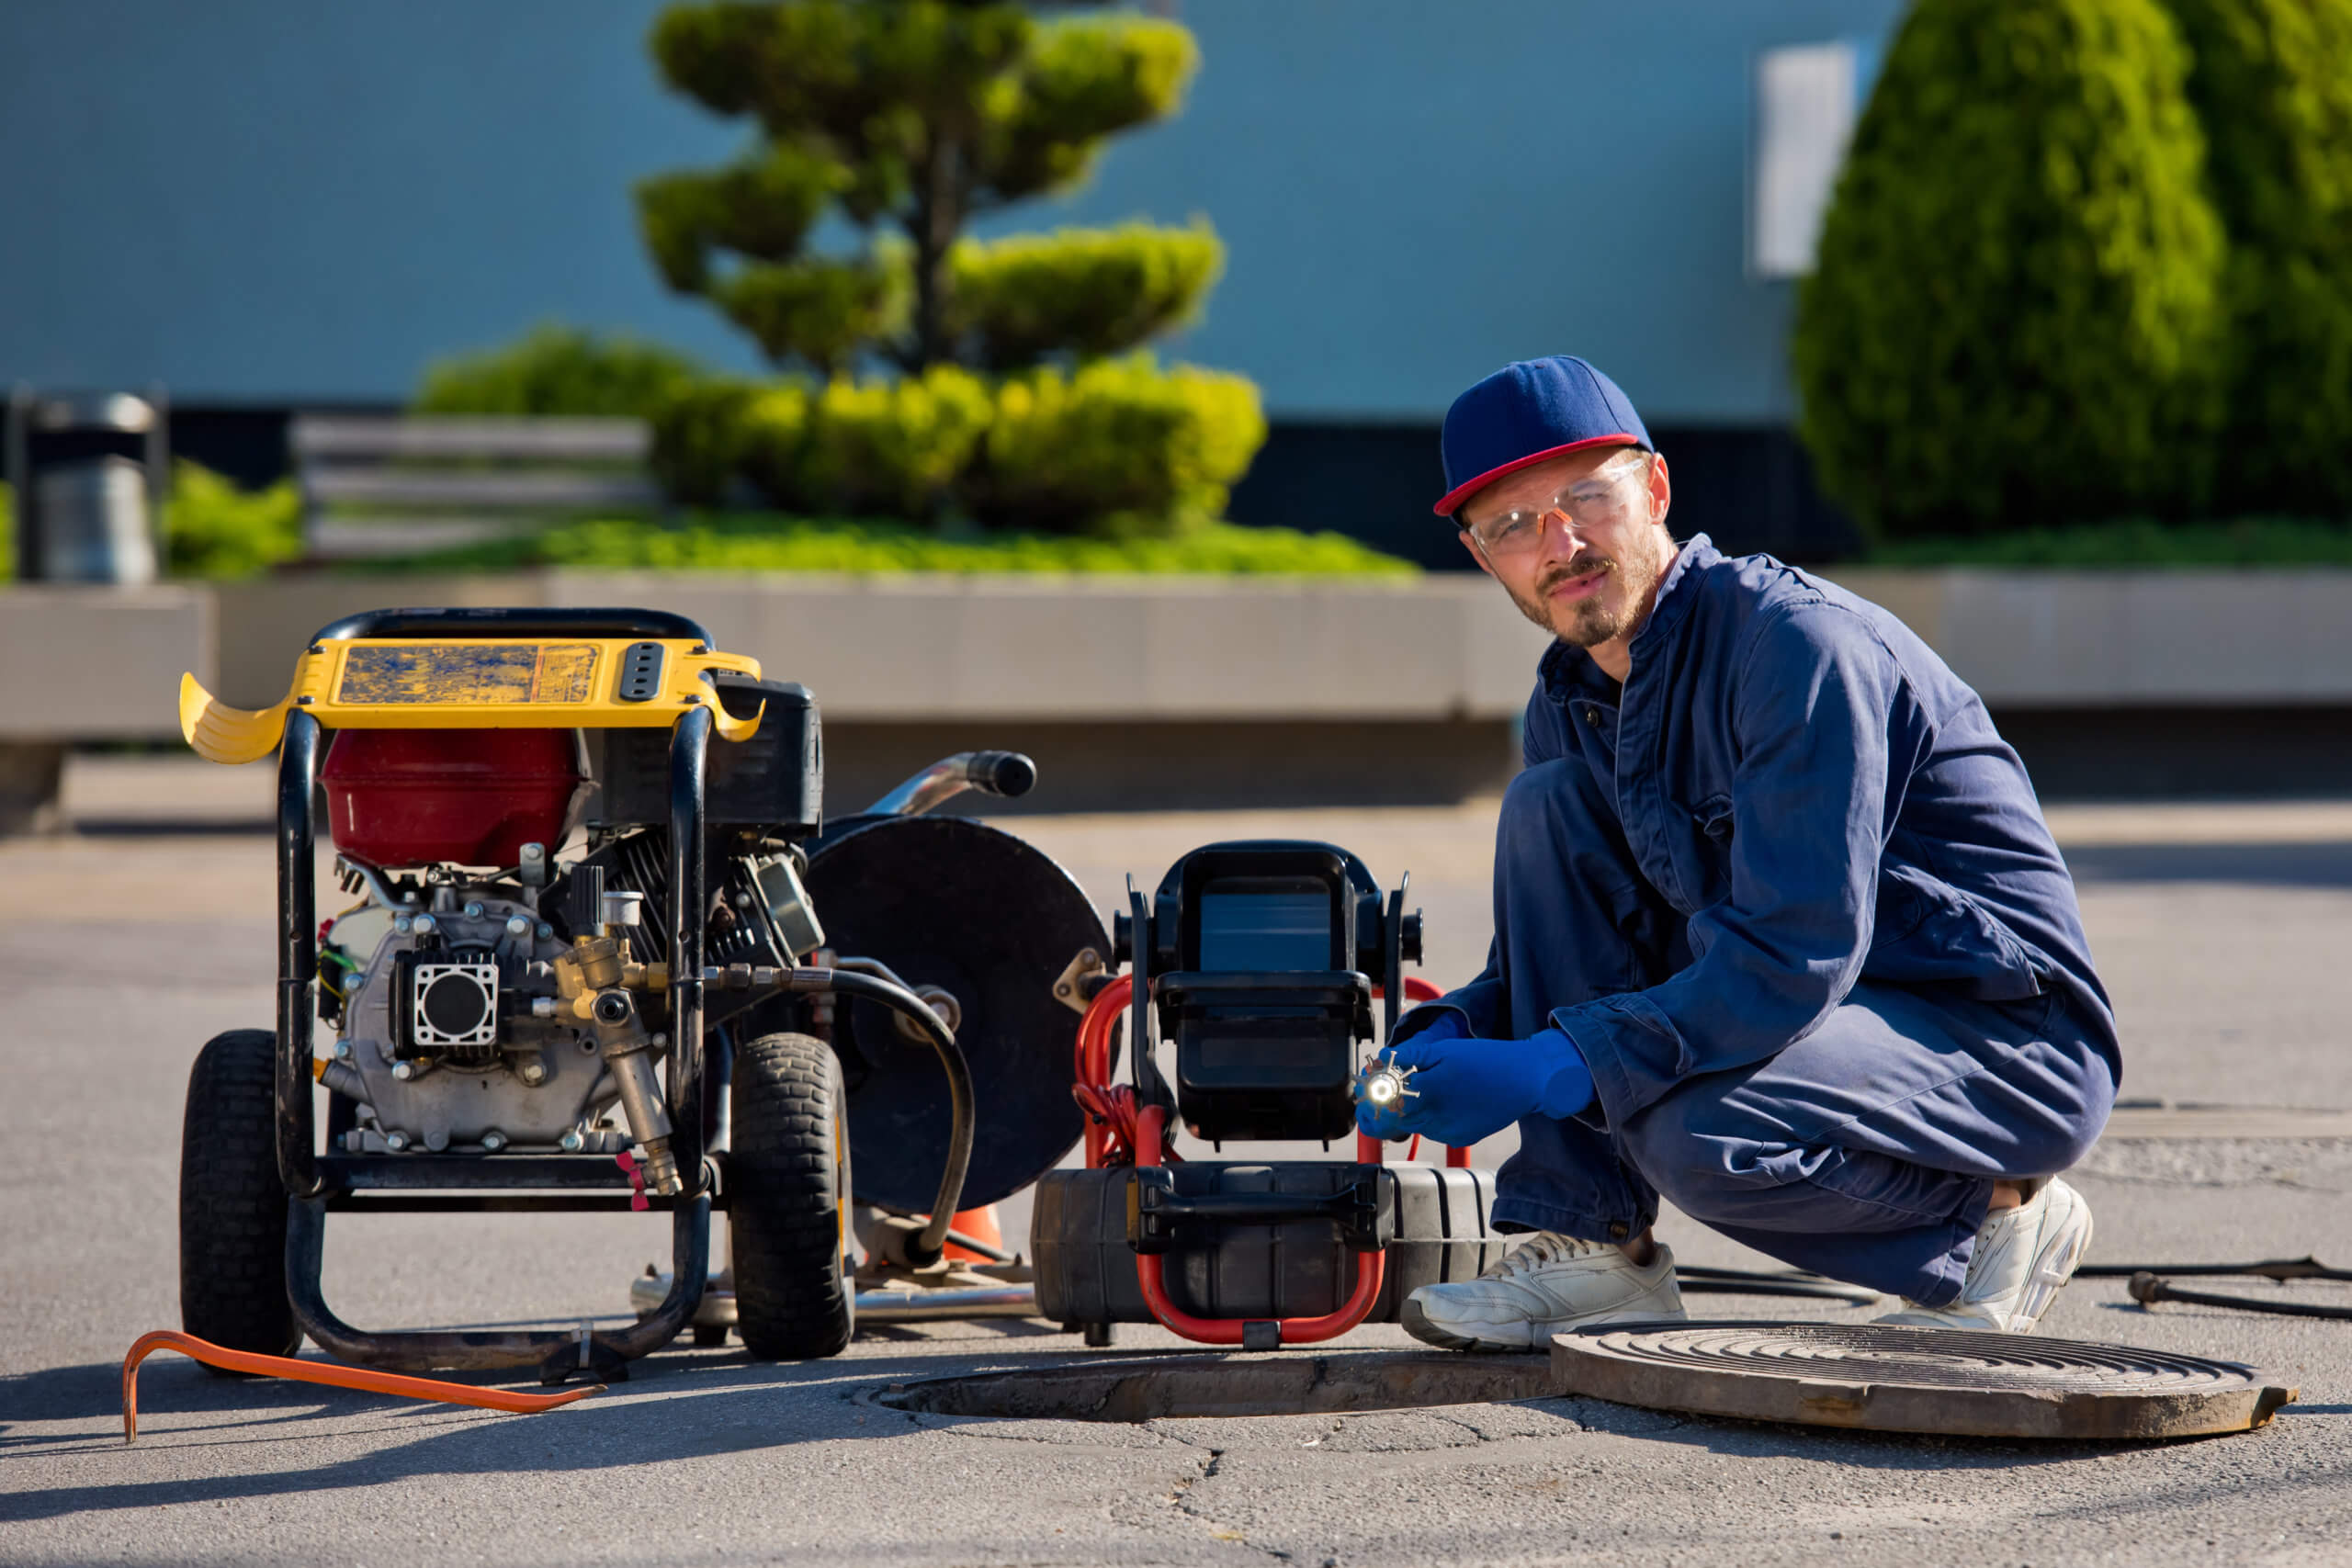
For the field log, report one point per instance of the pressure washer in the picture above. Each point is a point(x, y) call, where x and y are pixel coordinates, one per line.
point(605, 953)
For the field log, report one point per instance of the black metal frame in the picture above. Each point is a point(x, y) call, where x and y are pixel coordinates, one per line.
point(541, 1183)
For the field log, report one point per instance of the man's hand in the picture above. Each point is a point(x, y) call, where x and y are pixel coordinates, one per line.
point(1465, 1090)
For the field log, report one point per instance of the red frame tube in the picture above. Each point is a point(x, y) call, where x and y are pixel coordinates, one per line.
point(1372, 1268)
point(1093, 1060)
point(1092, 1069)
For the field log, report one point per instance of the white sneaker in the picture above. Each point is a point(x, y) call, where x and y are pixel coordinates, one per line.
point(1547, 1285)
point(2023, 1258)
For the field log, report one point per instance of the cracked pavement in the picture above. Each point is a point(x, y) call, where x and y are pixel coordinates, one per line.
point(2219, 928)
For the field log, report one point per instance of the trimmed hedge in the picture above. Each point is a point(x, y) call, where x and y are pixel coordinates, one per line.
point(1117, 446)
point(2273, 81)
point(701, 440)
point(1085, 292)
point(2017, 309)
point(214, 529)
point(865, 448)
point(558, 371)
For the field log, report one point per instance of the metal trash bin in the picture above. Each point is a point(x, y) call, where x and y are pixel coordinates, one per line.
point(88, 510)
point(94, 523)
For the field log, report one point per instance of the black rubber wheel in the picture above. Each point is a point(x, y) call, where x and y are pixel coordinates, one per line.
point(788, 1214)
point(232, 1208)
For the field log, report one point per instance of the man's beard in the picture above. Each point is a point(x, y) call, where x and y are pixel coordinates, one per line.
point(1591, 621)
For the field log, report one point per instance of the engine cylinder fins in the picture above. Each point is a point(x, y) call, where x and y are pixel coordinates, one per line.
point(637, 865)
point(1892, 1378)
point(951, 902)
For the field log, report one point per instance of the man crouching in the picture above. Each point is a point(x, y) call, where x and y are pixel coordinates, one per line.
point(1780, 933)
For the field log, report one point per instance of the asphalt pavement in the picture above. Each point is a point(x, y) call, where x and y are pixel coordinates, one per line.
point(2222, 930)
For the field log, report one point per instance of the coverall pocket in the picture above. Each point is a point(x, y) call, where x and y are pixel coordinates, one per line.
point(1930, 932)
point(1704, 855)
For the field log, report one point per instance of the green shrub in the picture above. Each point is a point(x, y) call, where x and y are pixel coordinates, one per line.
point(2273, 82)
point(821, 311)
point(1088, 292)
point(891, 448)
point(775, 444)
point(214, 529)
point(740, 542)
point(864, 448)
point(2018, 306)
point(558, 371)
point(1119, 446)
point(700, 440)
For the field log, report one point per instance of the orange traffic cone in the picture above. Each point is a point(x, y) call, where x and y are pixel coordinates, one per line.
point(980, 1226)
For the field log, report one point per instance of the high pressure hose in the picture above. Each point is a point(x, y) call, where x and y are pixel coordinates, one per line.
point(365, 1379)
point(931, 1241)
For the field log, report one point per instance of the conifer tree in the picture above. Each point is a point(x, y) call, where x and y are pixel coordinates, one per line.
point(906, 120)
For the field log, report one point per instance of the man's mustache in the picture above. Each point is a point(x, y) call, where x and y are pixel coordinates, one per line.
point(1569, 574)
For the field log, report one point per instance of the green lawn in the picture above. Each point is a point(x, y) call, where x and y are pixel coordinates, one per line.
point(2241, 541)
point(761, 542)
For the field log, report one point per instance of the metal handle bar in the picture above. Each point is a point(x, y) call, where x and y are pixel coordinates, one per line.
point(1001, 773)
point(494, 621)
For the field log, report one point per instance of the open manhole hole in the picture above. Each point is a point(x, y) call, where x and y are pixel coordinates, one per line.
point(1283, 1383)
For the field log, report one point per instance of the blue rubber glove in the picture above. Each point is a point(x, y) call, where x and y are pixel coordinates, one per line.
point(1465, 1089)
point(1445, 1023)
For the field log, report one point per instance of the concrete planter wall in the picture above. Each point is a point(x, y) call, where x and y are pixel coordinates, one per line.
point(2055, 639)
point(1129, 692)
point(1155, 691)
point(919, 648)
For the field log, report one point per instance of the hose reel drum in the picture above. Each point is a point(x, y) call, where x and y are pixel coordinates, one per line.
point(950, 903)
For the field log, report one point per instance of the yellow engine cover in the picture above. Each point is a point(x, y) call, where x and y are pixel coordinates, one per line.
point(476, 684)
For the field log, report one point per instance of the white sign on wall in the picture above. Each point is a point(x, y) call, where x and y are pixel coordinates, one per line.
point(1808, 99)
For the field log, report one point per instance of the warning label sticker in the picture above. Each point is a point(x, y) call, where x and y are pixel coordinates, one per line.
point(458, 674)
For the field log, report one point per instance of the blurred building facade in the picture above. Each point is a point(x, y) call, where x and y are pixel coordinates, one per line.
point(265, 206)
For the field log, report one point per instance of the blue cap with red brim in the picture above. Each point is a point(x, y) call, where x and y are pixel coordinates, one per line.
point(1526, 413)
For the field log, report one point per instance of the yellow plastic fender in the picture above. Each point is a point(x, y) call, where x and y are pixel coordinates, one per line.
point(476, 684)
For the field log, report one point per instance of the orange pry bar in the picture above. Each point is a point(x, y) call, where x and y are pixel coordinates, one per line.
point(329, 1373)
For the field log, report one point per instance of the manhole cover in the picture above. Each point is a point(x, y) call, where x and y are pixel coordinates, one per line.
point(1284, 1384)
point(1887, 1378)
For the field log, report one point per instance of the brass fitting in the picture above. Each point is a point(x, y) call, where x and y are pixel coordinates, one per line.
point(603, 963)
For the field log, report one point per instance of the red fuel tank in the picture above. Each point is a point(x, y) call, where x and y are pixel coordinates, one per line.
point(465, 796)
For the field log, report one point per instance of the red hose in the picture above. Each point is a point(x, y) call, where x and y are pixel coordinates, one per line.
point(1104, 1124)
point(1109, 1110)
point(329, 1373)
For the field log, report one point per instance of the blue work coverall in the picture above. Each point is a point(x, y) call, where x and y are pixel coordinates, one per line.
point(1793, 899)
